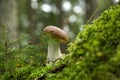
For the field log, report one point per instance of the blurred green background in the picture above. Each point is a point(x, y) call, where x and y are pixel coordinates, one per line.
point(31, 16)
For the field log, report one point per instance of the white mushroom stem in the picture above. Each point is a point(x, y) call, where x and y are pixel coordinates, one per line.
point(54, 52)
point(58, 36)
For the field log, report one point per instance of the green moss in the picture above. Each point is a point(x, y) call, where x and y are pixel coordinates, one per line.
point(95, 53)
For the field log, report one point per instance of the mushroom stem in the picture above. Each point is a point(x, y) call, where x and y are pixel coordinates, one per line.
point(56, 36)
point(54, 52)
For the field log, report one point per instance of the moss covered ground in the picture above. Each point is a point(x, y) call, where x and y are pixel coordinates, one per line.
point(93, 55)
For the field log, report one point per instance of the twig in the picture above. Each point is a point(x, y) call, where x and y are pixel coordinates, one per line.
point(55, 70)
point(94, 13)
point(6, 41)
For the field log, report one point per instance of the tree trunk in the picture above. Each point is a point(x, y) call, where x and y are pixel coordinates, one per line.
point(60, 15)
point(33, 23)
point(8, 16)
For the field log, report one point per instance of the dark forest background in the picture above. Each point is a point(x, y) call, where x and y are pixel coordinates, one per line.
point(31, 16)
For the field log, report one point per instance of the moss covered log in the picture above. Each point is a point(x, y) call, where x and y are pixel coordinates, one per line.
point(95, 53)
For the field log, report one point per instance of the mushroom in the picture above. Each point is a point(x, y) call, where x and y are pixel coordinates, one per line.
point(57, 36)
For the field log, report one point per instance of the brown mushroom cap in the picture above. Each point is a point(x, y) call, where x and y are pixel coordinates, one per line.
point(57, 32)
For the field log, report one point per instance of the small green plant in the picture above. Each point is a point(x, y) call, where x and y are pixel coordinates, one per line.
point(17, 63)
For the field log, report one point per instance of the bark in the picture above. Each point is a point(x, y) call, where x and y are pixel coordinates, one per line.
point(8, 16)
